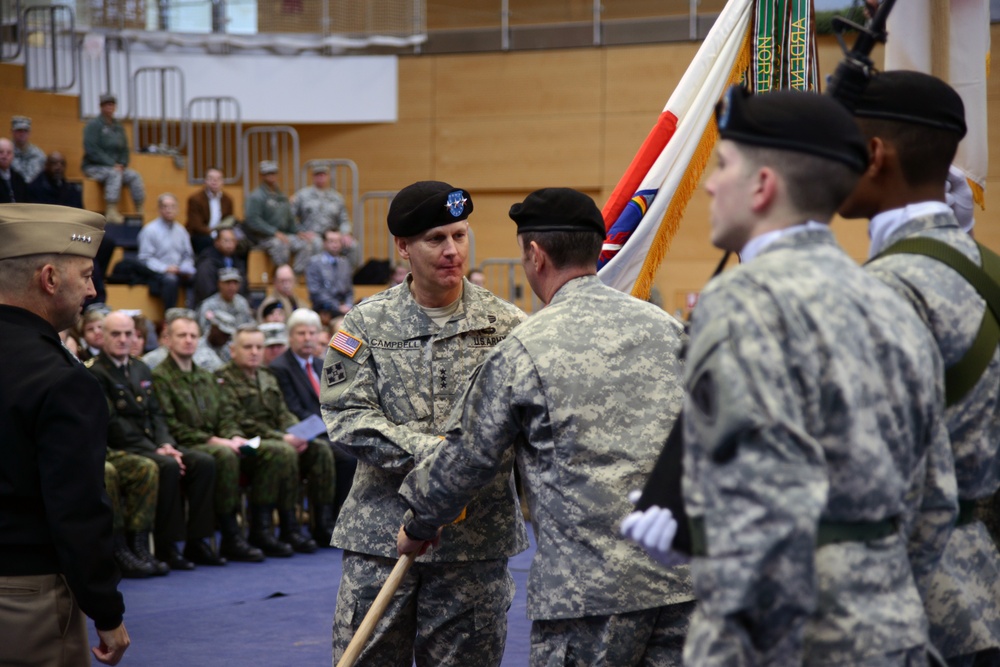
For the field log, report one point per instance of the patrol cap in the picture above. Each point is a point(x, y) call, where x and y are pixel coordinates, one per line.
point(229, 273)
point(321, 169)
point(37, 229)
point(793, 121)
point(222, 321)
point(108, 98)
point(267, 167)
point(557, 210)
point(425, 205)
point(913, 97)
point(20, 123)
point(274, 333)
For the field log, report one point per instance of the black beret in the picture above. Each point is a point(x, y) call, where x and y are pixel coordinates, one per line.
point(557, 210)
point(913, 97)
point(793, 121)
point(425, 205)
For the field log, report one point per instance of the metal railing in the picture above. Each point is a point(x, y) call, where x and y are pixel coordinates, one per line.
point(10, 29)
point(279, 143)
point(213, 128)
point(105, 67)
point(50, 53)
point(373, 236)
point(158, 110)
point(506, 279)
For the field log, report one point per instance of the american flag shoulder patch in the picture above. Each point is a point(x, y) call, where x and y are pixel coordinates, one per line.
point(345, 343)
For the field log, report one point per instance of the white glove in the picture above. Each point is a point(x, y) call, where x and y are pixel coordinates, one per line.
point(958, 195)
point(653, 530)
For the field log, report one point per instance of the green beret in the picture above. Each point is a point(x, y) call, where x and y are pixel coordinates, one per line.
point(795, 121)
point(40, 229)
point(425, 205)
point(913, 97)
point(557, 210)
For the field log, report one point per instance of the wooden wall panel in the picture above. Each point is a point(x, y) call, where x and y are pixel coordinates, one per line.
point(524, 84)
point(641, 78)
point(389, 156)
point(520, 153)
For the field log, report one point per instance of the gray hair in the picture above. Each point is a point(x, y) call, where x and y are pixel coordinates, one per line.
point(303, 316)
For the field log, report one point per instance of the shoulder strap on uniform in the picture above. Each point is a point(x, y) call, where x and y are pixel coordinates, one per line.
point(963, 376)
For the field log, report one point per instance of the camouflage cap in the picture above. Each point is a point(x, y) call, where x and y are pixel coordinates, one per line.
point(321, 169)
point(267, 167)
point(108, 98)
point(20, 123)
point(40, 229)
point(229, 273)
point(274, 333)
point(222, 321)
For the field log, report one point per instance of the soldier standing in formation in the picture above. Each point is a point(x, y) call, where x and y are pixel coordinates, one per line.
point(800, 469)
point(392, 376)
point(581, 443)
point(913, 123)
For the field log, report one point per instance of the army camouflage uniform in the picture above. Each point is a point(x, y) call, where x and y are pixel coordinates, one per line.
point(268, 212)
point(962, 595)
point(132, 482)
point(239, 308)
point(205, 356)
point(261, 410)
point(582, 443)
point(388, 405)
point(196, 410)
point(28, 161)
point(317, 211)
point(799, 364)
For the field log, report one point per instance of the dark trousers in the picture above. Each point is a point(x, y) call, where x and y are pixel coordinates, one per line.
point(197, 484)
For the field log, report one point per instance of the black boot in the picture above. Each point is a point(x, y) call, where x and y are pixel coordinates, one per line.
point(322, 524)
point(291, 534)
point(262, 533)
point(168, 553)
point(132, 566)
point(201, 552)
point(234, 547)
point(139, 544)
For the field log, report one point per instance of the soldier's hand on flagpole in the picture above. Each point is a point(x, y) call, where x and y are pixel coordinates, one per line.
point(406, 544)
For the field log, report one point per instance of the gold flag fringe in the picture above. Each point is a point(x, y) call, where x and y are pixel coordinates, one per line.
point(671, 221)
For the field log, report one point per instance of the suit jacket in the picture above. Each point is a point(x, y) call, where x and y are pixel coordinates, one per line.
point(15, 190)
point(295, 385)
point(56, 516)
point(137, 424)
point(199, 213)
point(206, 273)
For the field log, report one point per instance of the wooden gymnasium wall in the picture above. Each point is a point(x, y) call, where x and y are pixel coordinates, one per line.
point(502, 125)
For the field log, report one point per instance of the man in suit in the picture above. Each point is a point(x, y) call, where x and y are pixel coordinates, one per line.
point(13, 189)
point(206, 209)
point(302, 391)
point(328, 278)
point(139, 426)
point(220, 255)
point(56, 559)
point(51, 186)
